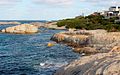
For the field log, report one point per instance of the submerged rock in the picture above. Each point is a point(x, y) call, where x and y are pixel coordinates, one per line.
point(21, 29)
point(50, 44)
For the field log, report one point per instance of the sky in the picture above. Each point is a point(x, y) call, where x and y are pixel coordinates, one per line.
point(51, 9)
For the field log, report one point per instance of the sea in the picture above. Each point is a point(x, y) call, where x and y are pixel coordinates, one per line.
point(29, 54)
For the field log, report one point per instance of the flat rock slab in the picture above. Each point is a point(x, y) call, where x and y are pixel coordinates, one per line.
point(99, 64)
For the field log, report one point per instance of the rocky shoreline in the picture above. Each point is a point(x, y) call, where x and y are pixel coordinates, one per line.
point(49, 25)
point(98, 64)
point(89, 40)
point(29, 28)
point(104, 47)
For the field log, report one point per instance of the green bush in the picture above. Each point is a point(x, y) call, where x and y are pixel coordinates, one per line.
point(90, 22)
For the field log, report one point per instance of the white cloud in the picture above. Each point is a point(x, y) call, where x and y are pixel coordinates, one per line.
point(8, 2)
point(54, 2)
point(102, 2)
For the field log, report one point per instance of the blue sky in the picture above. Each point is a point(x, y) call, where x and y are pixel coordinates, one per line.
point(50, 9)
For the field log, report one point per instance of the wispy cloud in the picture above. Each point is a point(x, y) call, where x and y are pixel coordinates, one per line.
point(51, 9)
point(54, 2)
point(102, 3)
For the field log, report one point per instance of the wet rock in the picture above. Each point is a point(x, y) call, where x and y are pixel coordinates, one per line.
point(50, 44)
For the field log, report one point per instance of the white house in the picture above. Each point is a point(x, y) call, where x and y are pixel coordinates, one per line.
point(113, 11)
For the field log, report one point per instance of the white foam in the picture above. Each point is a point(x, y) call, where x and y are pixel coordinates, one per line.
point(50, 64)
point(42, 64)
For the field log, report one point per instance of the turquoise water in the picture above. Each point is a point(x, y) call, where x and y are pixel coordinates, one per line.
point(29, 54)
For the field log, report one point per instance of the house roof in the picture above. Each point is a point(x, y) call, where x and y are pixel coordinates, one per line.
point(114, 6)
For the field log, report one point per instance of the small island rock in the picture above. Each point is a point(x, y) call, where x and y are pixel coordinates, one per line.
point(21, 29)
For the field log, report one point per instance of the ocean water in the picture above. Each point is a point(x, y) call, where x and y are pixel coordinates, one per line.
point(29, 54)
point(23, 21)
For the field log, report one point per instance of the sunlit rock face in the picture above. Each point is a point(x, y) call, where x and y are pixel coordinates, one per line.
point(105, 46)
point(89, 41)
point(21, 29)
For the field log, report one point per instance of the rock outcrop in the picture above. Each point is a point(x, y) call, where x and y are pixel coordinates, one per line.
point(38, 24)
point(21, 29)
point(49, 25)
point(53, 25)
point(104, 45)
point(89, 41)
point(98, 64)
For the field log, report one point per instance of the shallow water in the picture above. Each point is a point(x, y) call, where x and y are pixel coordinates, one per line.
point(29, 54)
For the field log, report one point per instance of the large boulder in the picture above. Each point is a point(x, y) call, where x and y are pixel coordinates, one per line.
point(21, 29)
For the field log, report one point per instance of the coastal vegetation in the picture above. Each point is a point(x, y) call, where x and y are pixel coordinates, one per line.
point(91, 22)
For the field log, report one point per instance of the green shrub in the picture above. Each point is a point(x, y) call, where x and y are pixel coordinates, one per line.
point(90, 22)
